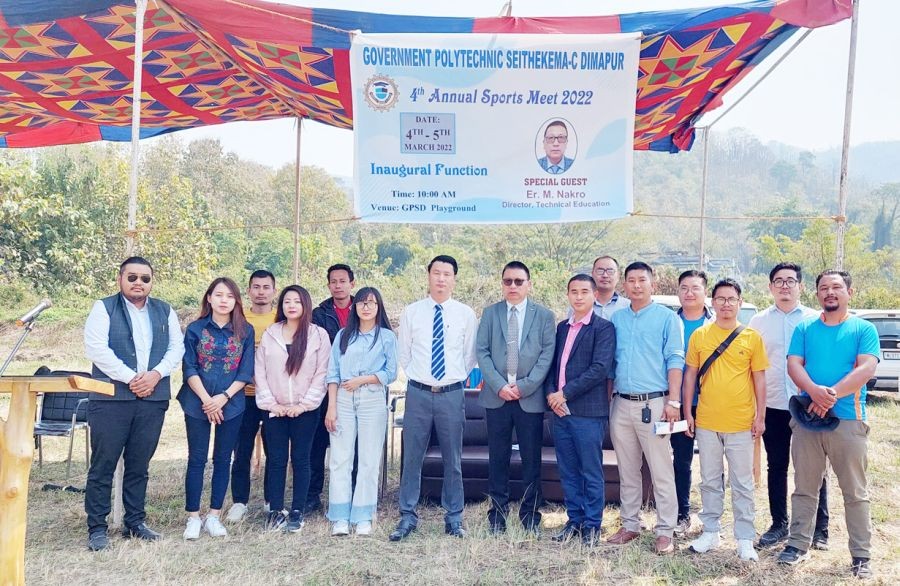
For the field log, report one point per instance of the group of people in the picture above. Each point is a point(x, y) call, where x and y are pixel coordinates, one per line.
point(620, 365)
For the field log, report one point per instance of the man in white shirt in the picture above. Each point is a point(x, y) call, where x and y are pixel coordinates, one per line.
point(776, 325)
point(134, 342)
point(437, 351)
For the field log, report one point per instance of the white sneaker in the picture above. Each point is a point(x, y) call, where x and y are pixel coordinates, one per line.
point(745, 550)
point(267, 509)
point(192, 531)
point(214, 527)
point(340, 528)
point(364, 528)
point(708, 540)
point(236, 512)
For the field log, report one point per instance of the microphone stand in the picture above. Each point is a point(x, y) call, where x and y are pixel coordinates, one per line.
point(28, 328)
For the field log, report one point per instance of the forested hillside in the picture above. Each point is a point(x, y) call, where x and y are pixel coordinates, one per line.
point(204, 212)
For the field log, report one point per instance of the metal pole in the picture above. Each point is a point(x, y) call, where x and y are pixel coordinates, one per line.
point(845, 149)
point(140, 9)
point(703, 198)
point(118, 511)
point(297, 208)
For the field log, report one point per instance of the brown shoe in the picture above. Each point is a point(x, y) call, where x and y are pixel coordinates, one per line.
point(665, 545)
point(623, 536)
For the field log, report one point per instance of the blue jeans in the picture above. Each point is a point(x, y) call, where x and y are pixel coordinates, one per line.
point(682, 458)
point(292, 435)
point(362, 416)
point(198, 431)
point(579, 455)
point(243, 453)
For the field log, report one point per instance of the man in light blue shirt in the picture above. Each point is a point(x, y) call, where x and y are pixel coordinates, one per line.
point(693, 314)
point(605, 273)
point(649, 363)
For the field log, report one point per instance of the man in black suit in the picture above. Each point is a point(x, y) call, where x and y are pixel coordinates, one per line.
point(514, 347)
point(577, 393)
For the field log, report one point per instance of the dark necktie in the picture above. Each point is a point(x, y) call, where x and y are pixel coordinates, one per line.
point(438, 368)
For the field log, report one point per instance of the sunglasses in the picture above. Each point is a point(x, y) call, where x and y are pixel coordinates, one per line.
point(144, 278)
point(518, 282)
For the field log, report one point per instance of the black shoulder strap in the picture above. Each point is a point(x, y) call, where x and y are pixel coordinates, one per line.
point(718, 352)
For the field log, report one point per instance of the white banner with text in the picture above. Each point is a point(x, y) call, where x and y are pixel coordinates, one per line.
point(499, 129)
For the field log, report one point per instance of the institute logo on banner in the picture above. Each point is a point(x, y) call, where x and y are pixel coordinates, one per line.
point(381, 93)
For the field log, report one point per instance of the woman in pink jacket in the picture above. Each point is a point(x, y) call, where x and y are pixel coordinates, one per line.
point(291, 363)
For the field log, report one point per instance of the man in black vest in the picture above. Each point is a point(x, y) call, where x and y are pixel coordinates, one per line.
point(134, 342)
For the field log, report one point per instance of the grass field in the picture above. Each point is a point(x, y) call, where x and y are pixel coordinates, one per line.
point(56, 552)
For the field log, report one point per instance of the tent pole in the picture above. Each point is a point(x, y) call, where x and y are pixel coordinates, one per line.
point(845, 149)
point(702, 262)
point(140, 9)
point(297, 207)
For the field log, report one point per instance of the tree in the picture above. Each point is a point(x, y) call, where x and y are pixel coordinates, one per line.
point(885, 222)
point(874, 273)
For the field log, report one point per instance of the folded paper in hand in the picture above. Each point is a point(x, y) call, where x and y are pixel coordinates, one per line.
point(662, 427)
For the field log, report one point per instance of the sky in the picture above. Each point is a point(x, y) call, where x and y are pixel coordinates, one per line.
point(800, 103)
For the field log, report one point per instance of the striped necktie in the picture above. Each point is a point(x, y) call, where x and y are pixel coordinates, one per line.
point(438, 368)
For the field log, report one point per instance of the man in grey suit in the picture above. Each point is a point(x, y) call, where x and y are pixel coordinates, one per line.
point(514, 347)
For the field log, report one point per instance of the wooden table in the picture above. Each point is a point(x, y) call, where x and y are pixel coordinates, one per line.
point(16, 457)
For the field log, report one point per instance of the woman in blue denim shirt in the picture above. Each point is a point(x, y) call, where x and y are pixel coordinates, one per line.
point(363, 364)
point(218, 362)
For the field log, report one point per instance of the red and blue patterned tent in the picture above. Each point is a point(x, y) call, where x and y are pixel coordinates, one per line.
point(66, 66)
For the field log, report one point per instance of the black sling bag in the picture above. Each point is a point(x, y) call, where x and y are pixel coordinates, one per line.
point(716, 353)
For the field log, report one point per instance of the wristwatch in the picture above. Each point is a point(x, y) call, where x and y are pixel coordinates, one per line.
point(676, 404)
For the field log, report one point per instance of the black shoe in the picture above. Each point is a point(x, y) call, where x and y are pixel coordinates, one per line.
point(98, 541)
point(141, 532)
point(404, 528)
point(295, 522)
point(497, 527)
point(312, 506)
point(568, 532)
point(791, 556)
point(862, 569)
point(275, 521)
point(775, 534)
point(820, 541)
point(455, 529)
point(590, 536)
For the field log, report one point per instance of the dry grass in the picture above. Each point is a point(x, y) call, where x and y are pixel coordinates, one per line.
point(56, 552)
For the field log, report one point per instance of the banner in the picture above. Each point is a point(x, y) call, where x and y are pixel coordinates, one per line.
point(484, 128)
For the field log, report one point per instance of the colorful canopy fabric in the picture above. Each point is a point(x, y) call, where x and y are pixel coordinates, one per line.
point(66, 66)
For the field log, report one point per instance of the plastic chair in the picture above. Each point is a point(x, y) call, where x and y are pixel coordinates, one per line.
point(61, 415)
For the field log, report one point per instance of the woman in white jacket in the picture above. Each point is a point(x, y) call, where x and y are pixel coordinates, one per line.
point(291, 363)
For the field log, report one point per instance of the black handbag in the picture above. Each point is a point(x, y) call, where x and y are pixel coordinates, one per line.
point(716, 353)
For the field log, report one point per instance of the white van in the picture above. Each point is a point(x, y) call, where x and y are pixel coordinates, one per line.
point(887, 322)
point(748, 310)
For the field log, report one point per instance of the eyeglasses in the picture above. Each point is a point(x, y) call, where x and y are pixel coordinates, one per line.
point(727, 300)
point(785, 282)
point(518, 282)
point(691, 289)
point(560, 139)
point(368, 304)
point(601, 272)
point(144, 278)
